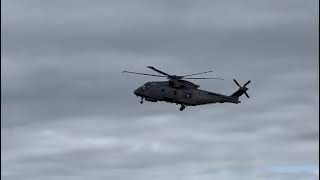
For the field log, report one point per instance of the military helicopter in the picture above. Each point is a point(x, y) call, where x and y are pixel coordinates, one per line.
point(182, 92)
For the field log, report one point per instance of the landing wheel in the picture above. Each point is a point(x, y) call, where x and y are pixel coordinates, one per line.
point(141, 101)
point(182, 107)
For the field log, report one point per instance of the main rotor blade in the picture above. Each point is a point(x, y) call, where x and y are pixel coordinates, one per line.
point(143, 74)
point(247, 83)
point(196, 73)
point(157, 70)
point(247, 95)
point(236, 82)
point(203, 78)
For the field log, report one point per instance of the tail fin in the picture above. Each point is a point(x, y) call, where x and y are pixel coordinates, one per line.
point(242, 90)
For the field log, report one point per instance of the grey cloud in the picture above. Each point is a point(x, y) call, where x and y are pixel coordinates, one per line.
point(69, 113)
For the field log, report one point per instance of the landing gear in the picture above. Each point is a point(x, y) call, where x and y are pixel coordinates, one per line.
point(141, 100)
point(182, 107)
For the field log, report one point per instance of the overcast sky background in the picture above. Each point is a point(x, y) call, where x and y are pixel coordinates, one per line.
point(67, 111)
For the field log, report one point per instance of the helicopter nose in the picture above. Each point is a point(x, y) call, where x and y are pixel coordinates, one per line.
point(139, 91)
point(136, 92)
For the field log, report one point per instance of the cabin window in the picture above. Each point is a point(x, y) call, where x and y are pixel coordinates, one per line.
point(174, 92)
point(162, 90)
point(189, 95)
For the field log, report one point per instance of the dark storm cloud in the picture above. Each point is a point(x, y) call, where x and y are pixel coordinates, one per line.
point(69, 113)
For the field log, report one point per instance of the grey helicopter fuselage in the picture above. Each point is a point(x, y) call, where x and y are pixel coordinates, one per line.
point(181, 92)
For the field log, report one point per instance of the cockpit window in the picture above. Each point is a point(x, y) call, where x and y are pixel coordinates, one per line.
point(146, 86)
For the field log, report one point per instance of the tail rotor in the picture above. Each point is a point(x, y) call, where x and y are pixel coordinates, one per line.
point(242, 89)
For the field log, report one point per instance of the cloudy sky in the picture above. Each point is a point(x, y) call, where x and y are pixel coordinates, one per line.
point(69, 113)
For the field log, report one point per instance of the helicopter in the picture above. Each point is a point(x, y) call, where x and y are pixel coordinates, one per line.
point(177, 89)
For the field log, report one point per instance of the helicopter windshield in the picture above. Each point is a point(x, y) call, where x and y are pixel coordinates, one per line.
point(146, 86)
